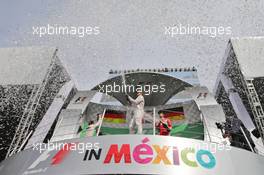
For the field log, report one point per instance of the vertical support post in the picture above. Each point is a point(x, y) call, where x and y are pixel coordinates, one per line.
point(99, 128)
point(204, 122)
point(124, 82)
point(25, 141)
point(154, 121)
point(247, 139)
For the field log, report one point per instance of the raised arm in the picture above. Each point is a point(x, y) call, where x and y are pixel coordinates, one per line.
point(137, 101)
point(169, 124)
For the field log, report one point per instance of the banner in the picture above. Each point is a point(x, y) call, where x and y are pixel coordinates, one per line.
point(137, 154)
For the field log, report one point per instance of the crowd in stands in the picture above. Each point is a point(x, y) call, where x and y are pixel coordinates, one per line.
point(13, 100)
point(259, 84)
point(232, 71)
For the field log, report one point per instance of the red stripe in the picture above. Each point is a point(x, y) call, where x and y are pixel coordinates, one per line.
point(171, 114)
point(58, 158)
point(108, 115)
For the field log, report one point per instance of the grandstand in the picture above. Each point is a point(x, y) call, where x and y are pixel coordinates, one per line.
point(239, 87)
point(30, 80)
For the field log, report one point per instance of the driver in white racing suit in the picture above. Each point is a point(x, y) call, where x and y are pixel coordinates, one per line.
point(138, 112)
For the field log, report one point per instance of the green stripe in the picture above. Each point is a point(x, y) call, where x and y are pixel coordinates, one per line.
point(113, 131)
point(195, 131)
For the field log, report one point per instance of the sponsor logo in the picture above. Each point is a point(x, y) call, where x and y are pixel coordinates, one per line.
point(56, 159)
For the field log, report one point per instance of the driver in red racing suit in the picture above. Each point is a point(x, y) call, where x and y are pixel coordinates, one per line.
point(164, 125)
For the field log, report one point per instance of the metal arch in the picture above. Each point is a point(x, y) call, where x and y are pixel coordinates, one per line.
point(156, 77)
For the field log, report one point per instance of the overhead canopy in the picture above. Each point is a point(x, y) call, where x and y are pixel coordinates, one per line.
point(25, 65)
point(250, 55)
point(172, 86)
